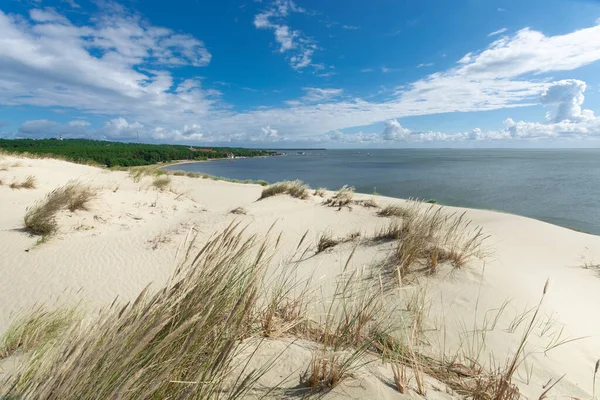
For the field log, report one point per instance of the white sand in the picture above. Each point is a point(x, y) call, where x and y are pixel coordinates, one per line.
point(130, 236)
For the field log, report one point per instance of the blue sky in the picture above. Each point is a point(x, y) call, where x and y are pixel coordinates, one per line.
point(286, 73)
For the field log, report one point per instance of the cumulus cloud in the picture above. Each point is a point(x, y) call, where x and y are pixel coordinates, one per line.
point(288, 39)
point(120, 128)
point(566, 97)
point(394, 131)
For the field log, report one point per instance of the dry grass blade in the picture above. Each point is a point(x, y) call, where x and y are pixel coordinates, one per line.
point(400, 378)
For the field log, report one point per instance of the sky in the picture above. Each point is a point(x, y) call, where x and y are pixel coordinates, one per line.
point(303, 73)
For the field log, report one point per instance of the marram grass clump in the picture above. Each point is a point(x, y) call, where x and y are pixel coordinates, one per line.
point(40, 219)
point(178, 342)
point(295, 188)
point(28, 183)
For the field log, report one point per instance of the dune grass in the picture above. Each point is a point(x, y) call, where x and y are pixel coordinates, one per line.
point(239, 211)
point(321, 192)
point(343, 197)
point(183, 340)
point(40, 219)
point(393, 211)
point(28, 183)
point(36, 330)
point(326, 240)
point(295, 189)
point(161, 182)
point(178, 342)
point(427, 236)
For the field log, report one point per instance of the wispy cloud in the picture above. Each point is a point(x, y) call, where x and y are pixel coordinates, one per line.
point(425, 65)
point(367, 70)
point(350, 27)
point(498, 32)
point(288, 39)
point(501, 9)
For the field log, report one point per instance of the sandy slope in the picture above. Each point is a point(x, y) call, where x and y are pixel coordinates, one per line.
point(130, 237)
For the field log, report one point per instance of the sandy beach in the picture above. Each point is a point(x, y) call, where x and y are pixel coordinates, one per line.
point(131, 236)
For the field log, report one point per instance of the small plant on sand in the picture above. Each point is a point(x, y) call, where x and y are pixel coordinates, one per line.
point(40, 219)
point(367, 203)
point(325, 372)
point(342, 197)
point(391, 231)
point(321, 192)
point(28, 183)
point(326, 241)
point(293, 188)
point(239, 211)
point(161, 182)
point(179, 173)
point(392, 211)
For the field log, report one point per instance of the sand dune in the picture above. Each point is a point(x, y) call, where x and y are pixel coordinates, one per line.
point(130, 237)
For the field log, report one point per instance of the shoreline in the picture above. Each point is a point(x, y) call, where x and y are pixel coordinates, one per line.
point(251, 181)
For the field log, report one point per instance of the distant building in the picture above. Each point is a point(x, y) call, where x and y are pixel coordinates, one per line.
point(230, 156)
point(60, 137)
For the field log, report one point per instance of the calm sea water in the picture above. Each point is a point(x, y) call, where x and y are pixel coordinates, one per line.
point(557, 186)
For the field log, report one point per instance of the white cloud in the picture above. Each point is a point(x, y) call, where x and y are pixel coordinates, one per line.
point(72, 3)
point(394, 131)
point(48, 128)
point(366, 70)
point(275, 19)
point(566, 97)
point(119, 66)
point(37, 127)
point(316, 95)
point(425, 65)
point(79, 123)
point(350, 27)
point(120, 128)
point(498, 32)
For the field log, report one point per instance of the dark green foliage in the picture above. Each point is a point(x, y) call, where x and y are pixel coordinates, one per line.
point(113, 154)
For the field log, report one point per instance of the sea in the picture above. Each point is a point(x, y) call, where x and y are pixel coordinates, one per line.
point(559, 186)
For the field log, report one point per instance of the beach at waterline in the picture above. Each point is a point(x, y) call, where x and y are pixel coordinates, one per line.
point(560, 186)
point(474, 305)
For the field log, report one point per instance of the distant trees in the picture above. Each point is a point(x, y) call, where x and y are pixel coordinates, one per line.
point(121, 154)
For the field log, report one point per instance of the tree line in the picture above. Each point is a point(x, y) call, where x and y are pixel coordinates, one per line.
point(113, 154)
